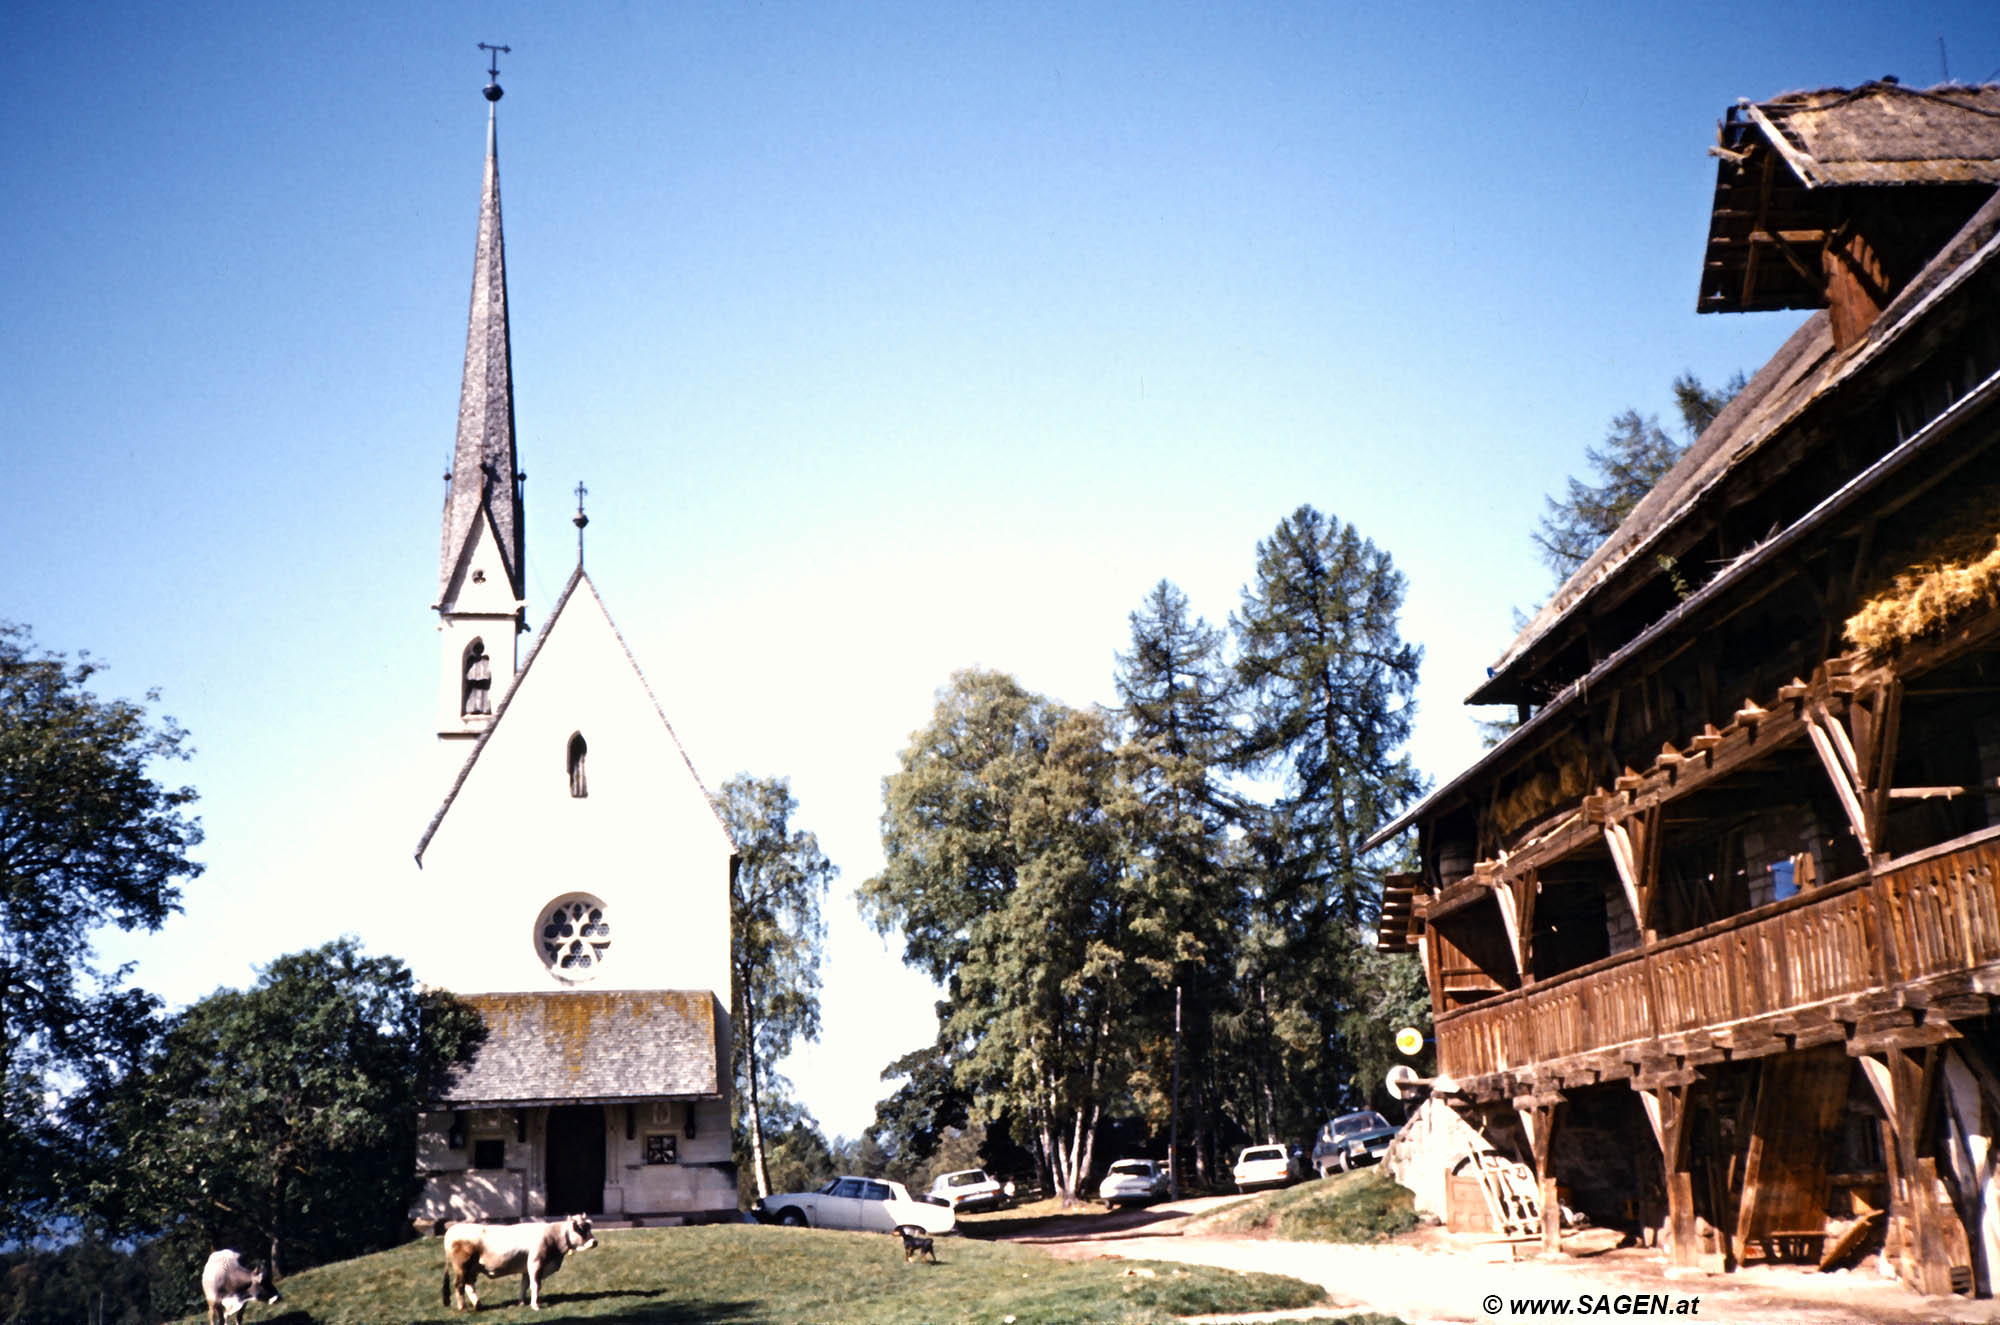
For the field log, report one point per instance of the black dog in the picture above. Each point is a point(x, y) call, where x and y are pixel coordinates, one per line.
point(917, 1248)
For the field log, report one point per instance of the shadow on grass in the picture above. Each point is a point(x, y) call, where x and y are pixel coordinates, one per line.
point(1084, 1221)
point(662, 1310)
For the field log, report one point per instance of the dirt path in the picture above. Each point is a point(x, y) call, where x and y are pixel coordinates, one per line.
point(1434, 1277)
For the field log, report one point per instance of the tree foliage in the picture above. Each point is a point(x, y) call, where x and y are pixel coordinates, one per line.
point(1005, 872)
point(1179, 702)
point(1332, 687)
point(280, 1118)
point(776, 934)
point(1634, 455)
point(1076, 879)
point(88, 836)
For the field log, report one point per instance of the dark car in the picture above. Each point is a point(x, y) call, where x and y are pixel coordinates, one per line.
point(1351, 1140)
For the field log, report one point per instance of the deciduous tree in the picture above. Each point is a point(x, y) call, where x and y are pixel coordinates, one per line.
point(1005, 872)
point(282, 1117)
point(88, 836)
point(776, 934)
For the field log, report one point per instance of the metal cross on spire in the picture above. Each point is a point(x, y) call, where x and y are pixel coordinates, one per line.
point(493, 92)
point(580, 521)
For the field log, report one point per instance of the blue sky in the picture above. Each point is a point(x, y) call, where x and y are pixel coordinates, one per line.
point(890, 339)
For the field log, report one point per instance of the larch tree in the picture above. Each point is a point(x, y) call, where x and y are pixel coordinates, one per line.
point(776, 935)
point(1177, 697)
point(89, 836)
point(1331, 686)
point(1634, 455)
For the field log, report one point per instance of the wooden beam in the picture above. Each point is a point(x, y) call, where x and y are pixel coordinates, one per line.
point(1618, 840)
point(1837, 755)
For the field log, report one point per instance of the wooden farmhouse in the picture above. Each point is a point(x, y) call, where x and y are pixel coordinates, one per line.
point(1713, 936)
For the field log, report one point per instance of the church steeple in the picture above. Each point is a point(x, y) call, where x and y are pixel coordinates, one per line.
point(481, 564)
point(484, 477)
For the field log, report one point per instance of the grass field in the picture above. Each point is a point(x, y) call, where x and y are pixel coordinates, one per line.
point(1363, 1206)
point(743, 1274)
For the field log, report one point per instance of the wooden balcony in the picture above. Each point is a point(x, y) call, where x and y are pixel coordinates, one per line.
point(1864, 956)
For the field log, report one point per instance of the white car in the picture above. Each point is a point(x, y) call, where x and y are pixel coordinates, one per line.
point(1132, 1181)
point(1264, 1166)
point(972, 1189)
point(866, 1205)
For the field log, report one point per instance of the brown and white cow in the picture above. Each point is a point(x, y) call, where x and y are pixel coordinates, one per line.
point(230, 1285)
point(534, 1251)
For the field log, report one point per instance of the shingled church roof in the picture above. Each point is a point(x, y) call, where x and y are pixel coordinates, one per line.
point(589, 1047)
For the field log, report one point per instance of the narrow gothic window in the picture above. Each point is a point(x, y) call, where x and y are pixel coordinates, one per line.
point(577, 750)
point(476, 693)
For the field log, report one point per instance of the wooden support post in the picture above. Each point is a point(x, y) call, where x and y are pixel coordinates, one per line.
point(1667, 1110)
point(1538, 1120)
point(1905, 1082)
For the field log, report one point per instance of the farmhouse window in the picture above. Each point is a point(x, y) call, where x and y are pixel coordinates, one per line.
point(489, 1152)
point(661, 1148)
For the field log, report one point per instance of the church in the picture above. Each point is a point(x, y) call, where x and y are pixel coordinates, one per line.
point(575, 878)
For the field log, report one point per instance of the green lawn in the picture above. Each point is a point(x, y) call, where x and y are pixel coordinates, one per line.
point(741, 1274)
point(1363, 1206)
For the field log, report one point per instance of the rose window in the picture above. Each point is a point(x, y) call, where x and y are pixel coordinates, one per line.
point(573, 936)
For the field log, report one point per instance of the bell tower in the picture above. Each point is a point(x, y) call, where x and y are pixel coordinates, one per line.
point(481, 602)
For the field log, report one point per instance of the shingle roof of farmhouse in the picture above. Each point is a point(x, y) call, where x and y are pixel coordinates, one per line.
point(1885, 133)
point(1803, 371)
point(1804, 378)
point(589, 1047)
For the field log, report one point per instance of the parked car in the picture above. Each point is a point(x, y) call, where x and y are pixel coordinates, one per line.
point(1351, 1140)
point(1264, 1166)
point(972, 1189)
point(1132, 1182)
point(867, 1205)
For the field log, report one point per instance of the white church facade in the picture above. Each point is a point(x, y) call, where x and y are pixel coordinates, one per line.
point(575, 879)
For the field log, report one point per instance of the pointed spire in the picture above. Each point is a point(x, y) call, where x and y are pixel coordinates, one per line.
point(484, 477)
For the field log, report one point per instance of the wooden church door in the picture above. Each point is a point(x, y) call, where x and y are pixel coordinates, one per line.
point(575, 1165)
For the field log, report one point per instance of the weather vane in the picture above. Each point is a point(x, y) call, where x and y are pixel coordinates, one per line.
point(493, 92)
point(580, 521)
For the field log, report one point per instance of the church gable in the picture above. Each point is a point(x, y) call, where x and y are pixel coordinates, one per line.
point(479, 580)
point(587, 849)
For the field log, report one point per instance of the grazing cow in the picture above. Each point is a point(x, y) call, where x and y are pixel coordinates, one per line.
point(534, 1251)
point(230, 1285)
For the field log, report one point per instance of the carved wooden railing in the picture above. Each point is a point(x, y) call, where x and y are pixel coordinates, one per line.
point(1925, 915)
